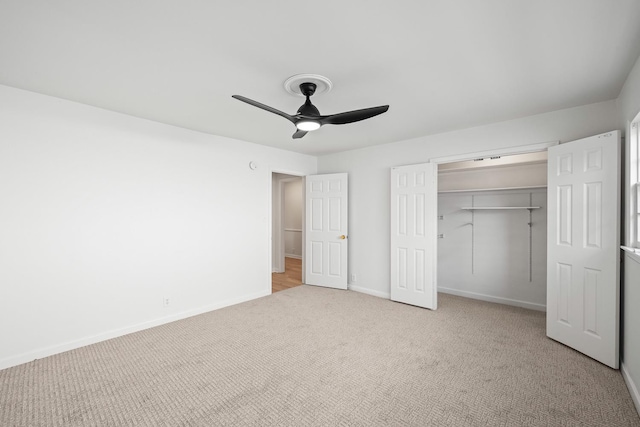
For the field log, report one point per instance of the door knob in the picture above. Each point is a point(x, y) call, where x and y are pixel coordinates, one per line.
point(343, 237)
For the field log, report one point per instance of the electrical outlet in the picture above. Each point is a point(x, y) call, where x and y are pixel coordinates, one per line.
point(165, 302)
point(353, 277)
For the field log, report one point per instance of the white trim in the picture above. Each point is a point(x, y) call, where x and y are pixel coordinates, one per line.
point(497, 208)
point(632, 182)
point(636, 213)
point(385, 295)
point(629, 227)
point(294, 175)
point(489, 298)
point(71, 345)
point(633, 390)
point(289, 172)
point(632, 253)
point(293, 256)
point(507, 151)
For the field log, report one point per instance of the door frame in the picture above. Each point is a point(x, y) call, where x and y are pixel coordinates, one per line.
point(507, 151)
point(327, 236)
point(297, 174)
point(281, 253)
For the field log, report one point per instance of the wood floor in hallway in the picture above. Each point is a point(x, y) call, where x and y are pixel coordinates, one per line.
point(291, 277)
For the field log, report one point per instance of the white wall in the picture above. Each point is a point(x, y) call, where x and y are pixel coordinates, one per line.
point(368, 170)
point(629, 100)
point(630, 350)
point(293, 218)
point(104, 215)
point(629, 107)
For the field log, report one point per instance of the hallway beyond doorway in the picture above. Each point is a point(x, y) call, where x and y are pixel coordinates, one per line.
point(291, 277)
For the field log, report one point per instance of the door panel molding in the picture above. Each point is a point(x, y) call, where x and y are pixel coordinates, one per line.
point(326, 200)
point(413, 235)
point(583, 266)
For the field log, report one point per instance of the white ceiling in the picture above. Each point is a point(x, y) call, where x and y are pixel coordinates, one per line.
point(440, 64)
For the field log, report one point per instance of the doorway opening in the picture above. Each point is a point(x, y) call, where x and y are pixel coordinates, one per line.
point(492, 229)
point(287, 231)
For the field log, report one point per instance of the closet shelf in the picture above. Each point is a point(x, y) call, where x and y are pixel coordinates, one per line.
point(476, 208)
point(472, 190)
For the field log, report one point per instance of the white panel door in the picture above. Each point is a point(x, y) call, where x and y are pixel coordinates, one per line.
point(583, 246)
point(413, 235)
point(326, 230)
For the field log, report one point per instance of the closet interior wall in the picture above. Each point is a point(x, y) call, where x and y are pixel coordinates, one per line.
point(492, 241)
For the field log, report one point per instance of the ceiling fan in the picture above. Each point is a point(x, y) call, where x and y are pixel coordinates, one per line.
point(308, 117)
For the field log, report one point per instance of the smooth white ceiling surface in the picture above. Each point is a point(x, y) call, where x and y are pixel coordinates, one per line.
point(440, 65)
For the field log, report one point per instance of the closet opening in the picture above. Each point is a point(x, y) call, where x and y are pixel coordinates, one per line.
point(492, 229)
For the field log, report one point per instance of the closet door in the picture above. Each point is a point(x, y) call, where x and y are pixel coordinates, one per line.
point(583, 246)
point(413, 235)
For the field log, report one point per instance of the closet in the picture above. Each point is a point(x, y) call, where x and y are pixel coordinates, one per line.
point(492, 229)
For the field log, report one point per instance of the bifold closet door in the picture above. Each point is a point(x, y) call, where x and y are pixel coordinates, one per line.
point(583, 246)
point(413, 235)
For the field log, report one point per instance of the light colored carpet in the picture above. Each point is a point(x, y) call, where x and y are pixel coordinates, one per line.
point(319, 357)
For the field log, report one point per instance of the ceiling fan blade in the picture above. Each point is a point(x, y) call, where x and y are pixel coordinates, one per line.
point(299, 134)
point(353, 116)
point(263, 106)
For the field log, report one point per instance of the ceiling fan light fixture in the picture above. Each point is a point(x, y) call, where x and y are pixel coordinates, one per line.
point(308, 118)
point(308, 125)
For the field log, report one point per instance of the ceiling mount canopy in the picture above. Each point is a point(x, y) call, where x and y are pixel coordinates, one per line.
point(292, 84)
point(308, 118)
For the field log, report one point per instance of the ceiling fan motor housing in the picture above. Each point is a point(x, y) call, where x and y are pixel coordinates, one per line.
point(308, 109)
point(308, 89)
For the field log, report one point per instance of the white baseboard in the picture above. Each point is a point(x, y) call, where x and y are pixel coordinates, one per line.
point(633, 390)
point(293, 256)
point(473, 295)
point(71, 345)
point(378, 294)
point(489, 298)
point(466, 294)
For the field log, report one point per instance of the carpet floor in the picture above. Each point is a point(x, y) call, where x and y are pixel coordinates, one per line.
point(311, 356)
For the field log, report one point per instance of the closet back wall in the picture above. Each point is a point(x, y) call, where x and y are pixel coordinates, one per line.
point(505, 176)
point(497, 254)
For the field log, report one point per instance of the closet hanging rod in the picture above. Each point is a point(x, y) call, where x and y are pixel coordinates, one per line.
point(476, 208)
